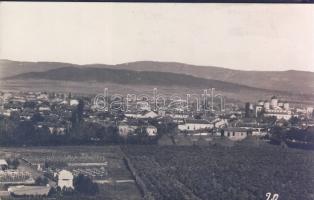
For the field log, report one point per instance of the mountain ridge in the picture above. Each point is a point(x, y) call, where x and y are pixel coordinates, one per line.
point(289, 80)
point(123, 76)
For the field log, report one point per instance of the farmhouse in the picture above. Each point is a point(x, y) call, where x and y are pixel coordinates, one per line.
point(65, 179)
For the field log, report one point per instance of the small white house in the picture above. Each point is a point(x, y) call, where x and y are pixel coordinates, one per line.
point(125, 129)
point(65, 179)
point(74, 102)
point(44, 108)
point(151, 130)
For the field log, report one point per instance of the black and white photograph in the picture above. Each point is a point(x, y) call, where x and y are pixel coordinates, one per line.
point(156, 101)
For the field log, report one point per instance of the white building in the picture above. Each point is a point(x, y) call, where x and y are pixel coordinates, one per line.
point(274, 108)
point(44, 108)
point(151, 130)
point(279, 114)
point(266, 105)
point(274, 102)
point(142, 115)
point(235, 133)
point(259, 132)
point(178, 115)
point(309, 111)
point(74, 102)
point(57, 130)
point(286, 106)
point(194, 124)
point(125, 129)
point(65, 179)
point(43, 97)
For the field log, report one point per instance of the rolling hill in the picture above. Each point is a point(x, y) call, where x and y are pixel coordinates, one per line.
point(300, 82)
point(129, 77)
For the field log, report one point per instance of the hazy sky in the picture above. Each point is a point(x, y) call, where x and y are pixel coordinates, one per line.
point(241, 36)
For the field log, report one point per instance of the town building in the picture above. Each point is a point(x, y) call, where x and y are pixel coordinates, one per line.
point(195, 124)
point(74, 102)
point(151, 130)
point(142, 115)
point(65, 179)
point(235, 133)
point(125, 128)
point(274, 108)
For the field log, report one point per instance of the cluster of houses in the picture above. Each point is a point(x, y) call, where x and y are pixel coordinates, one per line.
point(57, 108)
point(54, 110)
point(55, 113)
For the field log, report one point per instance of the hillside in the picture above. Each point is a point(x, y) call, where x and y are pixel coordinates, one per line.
point(292, 80)
point(128, 77)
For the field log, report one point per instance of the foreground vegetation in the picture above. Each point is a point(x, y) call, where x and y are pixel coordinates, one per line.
point(217, 172)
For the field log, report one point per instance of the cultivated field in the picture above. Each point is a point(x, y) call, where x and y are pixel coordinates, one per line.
point(217, 172)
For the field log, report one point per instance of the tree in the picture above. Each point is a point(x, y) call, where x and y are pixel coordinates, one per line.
point(80, 109)
point(29, 104)
point(77, 114)
point(41, 181)
point(294, 120)
point(15, 116)
point(85, 185)
point(37, 118)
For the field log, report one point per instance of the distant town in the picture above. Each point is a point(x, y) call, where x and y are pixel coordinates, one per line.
point(54, 119)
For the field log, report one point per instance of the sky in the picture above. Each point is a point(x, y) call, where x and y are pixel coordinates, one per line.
point(237, 36)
